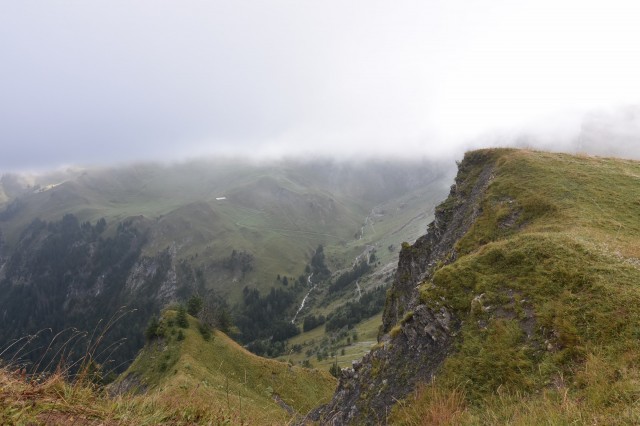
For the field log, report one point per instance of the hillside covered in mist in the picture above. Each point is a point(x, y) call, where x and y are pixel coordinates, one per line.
point(251, 239)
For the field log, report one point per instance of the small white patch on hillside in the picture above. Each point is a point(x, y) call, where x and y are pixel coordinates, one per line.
point(44, 188)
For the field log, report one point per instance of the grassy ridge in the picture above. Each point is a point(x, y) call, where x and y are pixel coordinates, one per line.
point(223, 377)
point(548, 288)
point(176, 380)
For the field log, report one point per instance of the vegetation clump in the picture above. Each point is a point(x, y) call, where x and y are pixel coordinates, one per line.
point(153, 330)
point(311, 321)
point(346, 278)
point(205, 331)
point(239, 261)
point(261, 322)
point(352, 313)
point(181, 317)
point(194, 305)
point(318, 265)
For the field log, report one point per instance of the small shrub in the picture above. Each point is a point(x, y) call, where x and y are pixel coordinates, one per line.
point(155, 329)
point(194, 305)
point(152, 329)
point(335, 370)
point(205, 331)
point(181, 317)
point(407, 317)
point(395, 331)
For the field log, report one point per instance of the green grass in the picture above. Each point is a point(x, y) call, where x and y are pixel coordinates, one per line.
point(223, 375)
point(548, 288)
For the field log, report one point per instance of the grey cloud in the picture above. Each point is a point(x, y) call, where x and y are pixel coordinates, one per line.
point(110, 81)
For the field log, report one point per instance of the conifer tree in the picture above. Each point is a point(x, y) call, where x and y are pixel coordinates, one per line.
point(181, 318)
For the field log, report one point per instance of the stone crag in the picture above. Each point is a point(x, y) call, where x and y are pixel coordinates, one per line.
point(414, 339)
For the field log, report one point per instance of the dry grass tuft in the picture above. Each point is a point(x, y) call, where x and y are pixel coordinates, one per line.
point(432, 405)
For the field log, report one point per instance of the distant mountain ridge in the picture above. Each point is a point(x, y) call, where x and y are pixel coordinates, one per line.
point(75, 246)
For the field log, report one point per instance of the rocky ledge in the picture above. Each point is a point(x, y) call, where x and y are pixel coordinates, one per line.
point(414, 339)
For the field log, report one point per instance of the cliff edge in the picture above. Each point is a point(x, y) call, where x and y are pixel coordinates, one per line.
point(517, 288)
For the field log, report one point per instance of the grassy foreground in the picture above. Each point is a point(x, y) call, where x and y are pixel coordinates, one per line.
point(548, 287)
point(183, 378)
point(56, 401)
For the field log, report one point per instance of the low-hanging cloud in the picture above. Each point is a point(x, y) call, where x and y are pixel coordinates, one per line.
point(112, 81)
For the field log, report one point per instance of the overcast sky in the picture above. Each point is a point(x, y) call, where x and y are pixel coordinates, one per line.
point(99, 82)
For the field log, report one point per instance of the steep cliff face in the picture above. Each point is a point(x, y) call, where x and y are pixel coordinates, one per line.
point(525, 287)
point(65, 275)
point(414, 339)
point(452, 220)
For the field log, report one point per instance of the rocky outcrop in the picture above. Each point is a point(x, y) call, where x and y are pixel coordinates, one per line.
point(155, 276)
point(414, 339)
point(71, 276)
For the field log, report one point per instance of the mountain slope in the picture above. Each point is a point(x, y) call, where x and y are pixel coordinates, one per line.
point(178, 379)
point(76, 246)
point(522, 300)
point(288, 207)
point(223, 377)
